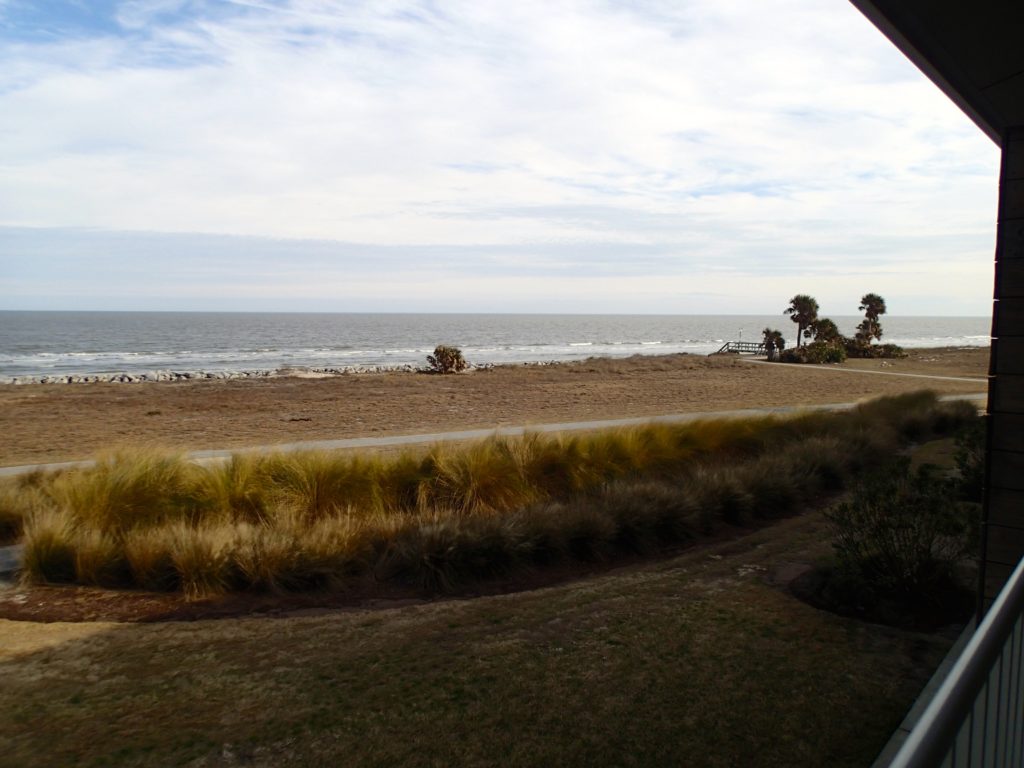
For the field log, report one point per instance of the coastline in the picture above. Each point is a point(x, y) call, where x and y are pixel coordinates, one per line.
point(303, 371)
point(127, 377)
point(44, 423)
point(85, 347)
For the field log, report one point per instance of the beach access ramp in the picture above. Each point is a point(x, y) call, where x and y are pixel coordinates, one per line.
point(742, 348)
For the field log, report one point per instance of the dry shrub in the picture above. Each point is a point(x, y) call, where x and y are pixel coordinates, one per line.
point(126, 489)
point(650, 513)
point(17, 503)
point(557, 467)
point(446, 360)
point(291, 557)
point(400, 481)
point(236, 489)
point(320, 484)
point(579, 531)
point(312, 520)
point(100, 559)
point(202, 558)
point(149, 557)
point(720, 491)
point(482, 478)
point(49, 557)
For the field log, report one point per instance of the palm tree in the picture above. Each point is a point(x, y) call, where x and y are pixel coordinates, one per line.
point(773, 343)
point(825, 330)
point(873, 306)
point(803, 310)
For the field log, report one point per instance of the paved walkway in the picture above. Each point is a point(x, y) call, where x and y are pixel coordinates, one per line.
point(477, 434)
point(835, 369)
point(10, 561)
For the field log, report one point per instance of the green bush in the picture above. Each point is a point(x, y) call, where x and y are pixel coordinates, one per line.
point(970, 459)
point(446, 360)
point(901, 537)
point(817, 352)
point(862, 349)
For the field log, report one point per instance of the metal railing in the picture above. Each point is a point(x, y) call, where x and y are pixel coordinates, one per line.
point(747, 347)
point(977, 716)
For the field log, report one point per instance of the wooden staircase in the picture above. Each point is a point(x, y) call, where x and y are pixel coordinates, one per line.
point(742, 348)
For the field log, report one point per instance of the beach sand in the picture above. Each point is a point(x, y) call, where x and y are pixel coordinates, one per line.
point(58, 422)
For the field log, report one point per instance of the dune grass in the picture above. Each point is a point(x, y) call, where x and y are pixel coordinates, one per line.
point(452, 515)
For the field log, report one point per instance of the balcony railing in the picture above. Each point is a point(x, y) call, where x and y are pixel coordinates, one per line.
point(977, 715)
point(742, 347)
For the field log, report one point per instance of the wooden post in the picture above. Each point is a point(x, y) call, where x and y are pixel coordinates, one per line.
point(1002, 533)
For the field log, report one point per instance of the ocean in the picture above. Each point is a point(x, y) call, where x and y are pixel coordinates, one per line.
point(80, 343)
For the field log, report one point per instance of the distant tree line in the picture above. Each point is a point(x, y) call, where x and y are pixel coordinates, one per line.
point(818, 339)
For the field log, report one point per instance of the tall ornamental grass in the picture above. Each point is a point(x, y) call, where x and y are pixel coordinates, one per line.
point(450, 515)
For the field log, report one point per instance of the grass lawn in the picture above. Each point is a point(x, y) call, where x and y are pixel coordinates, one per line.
point(696, 660)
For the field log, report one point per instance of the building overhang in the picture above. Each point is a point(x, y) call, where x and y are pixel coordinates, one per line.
point(972, 50)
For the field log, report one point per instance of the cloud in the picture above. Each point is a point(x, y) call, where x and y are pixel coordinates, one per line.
point(677, 139)
point(89, 269)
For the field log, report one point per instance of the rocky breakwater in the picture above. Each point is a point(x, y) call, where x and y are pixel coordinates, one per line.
point(148, 376)
point(132, 378)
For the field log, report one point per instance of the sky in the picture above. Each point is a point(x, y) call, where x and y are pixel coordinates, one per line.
point(633, 156)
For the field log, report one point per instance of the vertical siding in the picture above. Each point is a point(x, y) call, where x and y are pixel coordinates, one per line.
point(1003, 531)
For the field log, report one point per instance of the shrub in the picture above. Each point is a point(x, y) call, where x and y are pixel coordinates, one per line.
point(318, 483)
point(100, 560)
point(452, 514)
point(237, 488)
point(201, 558)
point(148, 552)
point(970, 459)
point(485, 477)
point(863, 349)
point(917, 416)
point(889, 350)
point(816, 352)
point(128, 489)
point(826, 352)
point(49, 549)
point(446, 360)
point(17, 502)
point(901, 536)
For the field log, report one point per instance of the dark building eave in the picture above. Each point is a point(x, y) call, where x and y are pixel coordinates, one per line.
point(971, 51)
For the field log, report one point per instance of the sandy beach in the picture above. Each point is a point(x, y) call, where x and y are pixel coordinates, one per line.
point(54, 422)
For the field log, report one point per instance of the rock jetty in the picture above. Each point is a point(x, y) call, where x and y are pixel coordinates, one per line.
point(147, 376)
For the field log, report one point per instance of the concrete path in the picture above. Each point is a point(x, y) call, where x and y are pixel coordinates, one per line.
point(10, 562)
point(834, 369)
point(477, 434)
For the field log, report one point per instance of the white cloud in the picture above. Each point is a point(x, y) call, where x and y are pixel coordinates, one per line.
point(783, 138)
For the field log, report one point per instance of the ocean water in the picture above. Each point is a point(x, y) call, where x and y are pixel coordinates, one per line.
point(57, 343)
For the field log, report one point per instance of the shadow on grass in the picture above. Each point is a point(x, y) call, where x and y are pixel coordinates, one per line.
point(678, 663)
